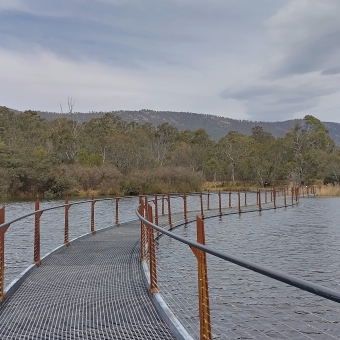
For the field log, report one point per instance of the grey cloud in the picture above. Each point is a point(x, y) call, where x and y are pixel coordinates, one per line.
point(331, 71)
point(307, 35)
point(268, 102)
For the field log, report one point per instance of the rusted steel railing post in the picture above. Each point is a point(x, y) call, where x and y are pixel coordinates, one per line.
point(37, 216)
point(142, 230)
point(260, 203)
point(208, 201)
point(239, 202)
point(156, 209)
point(296, 194)
point(2, 255)
point(117, 211)
point(245, 199)
point(203, 289)
point(185, 207)
point(307, 191)
point(229, 204)
point(169, 212)
point(163, 205)
point(219, 202)
point(201, 200)
point(152, 255)
point(66, 231)
point(93, 202)
point(285, 197)
point(274, 197)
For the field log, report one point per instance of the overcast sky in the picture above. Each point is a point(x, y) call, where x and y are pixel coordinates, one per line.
point(268, 60)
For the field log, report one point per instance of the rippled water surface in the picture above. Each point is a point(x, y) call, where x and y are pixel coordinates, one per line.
point(303, 241)
point(19, 236)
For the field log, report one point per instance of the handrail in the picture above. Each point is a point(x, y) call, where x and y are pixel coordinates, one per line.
point(313, 288)
point(7, 224)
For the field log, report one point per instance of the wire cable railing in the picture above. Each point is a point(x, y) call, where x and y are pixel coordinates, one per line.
point(191, 302)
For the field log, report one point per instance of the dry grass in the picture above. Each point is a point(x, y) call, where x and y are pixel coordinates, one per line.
point(328, 190)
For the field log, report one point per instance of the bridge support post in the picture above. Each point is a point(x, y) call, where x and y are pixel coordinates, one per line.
point(203, 289)
point(142, 229)
point(169, 211)
point(201, 200)
point(219, 202)
point(285, 197)
point(66, 230)
point(156, 210)
point(117, 211)
point(208, 202)
point(92, 215)
point(163, 205)
point(259, 198)
point(185, 207)
point(2, 255)
point(152, 255)
point(37, 216)
point(239, 202)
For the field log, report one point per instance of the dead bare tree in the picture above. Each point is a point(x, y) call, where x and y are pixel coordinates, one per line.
point(70, 104)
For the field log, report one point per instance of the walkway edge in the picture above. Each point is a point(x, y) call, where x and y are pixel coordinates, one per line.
point(168, 316)
point(12, 287)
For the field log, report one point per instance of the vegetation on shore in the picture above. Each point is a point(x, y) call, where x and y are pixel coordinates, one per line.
point(109, 156)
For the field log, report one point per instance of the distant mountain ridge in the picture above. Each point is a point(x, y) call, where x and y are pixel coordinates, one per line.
point(216, 126)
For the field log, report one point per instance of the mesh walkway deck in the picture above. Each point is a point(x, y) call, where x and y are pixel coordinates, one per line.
point(93, 289)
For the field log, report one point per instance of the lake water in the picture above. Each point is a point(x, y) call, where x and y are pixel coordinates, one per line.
point(303, 241)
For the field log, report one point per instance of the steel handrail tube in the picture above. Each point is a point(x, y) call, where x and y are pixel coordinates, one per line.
point(313, 288)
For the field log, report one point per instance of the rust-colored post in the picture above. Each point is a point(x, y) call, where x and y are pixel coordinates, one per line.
point(307, 191)
point(285, 197)
point(229, 199)
point(93, 202)
point(142, 229)
point(245, 199)
point(201, 200)
point(66, 231)
point(260, 203)
point(37, 216)
point(169, 211)
point(239, 202)
point(2, 255)
point(274, 197)
point(203, 289)
point(219, 202)
point(163, 205)
point(208, 202)
point(117, 211)
point(185, 207)
point(156, 210)
point(152, 255)
point(296, 194)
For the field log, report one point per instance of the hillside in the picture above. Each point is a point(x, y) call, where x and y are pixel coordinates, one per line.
point(216, 126)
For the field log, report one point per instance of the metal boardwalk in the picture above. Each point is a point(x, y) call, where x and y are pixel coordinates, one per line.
point(93, 289)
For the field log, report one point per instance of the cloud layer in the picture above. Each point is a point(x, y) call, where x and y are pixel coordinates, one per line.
point(263, 60)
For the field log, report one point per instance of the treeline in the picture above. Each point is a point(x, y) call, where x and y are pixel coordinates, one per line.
point(111, 156)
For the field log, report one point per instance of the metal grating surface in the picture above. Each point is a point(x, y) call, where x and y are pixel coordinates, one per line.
point(93, 289)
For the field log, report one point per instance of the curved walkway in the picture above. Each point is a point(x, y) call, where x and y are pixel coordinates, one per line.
point(93, 289)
